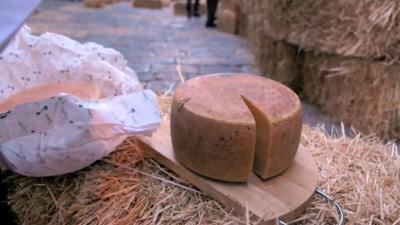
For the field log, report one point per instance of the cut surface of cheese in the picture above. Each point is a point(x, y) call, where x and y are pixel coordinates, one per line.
point(225, 125)
point(85, 90)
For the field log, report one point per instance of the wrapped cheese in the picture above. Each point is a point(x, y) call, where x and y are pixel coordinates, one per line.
point(85, 90)
point(64, 105)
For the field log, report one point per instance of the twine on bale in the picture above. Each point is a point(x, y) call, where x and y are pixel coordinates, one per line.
point(362, 174)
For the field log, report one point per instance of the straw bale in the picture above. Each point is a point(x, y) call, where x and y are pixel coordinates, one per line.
point(149, 4)
point(231, 17)
point(242, 24)
point(361, 173)
point(166, 3)
point(367, 94)
point(128, 188)
point(93, 3)
point(362, 28)
point(276, 59)
point(363, 93)
point(267, 16)
point(232, 5)
point(180, 8)
point(227, 21)
point(111, 1)
point(99, 3)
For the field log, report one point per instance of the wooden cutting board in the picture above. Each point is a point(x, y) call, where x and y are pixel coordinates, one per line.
point(283, 197)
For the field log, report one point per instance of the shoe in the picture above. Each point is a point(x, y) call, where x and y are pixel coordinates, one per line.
point(188, 14)
point(210, 25)
point(196, 14)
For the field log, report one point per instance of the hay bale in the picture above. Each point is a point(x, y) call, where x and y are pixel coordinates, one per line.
point(361, 28)
point(99, 3)
point(236, 6)
point(231, 5)
point(366, 95)
point(279, 61)
point(363, 93)
point(242, 24)
point(180, 8)
point(166, 3)
point(360, 172)
point(268, 14)
point(93, 3)
point(108, 2)
point(148, 4)
point(227, 21)
point(124, 188)
point(275, 59)
point(127, 188)
point(231, 18)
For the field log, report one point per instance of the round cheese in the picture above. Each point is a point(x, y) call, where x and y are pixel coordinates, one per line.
point(85, 90)
point(225, 125)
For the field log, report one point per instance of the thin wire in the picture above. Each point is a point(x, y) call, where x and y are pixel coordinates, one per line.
point(329, 199)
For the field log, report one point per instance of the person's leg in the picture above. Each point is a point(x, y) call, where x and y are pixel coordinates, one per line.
point(189, 8)
point(210, 19)
point(215, 7)
point(196, 7)
point(212, 6)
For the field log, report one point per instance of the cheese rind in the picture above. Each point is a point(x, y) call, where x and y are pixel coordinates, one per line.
point(85, 90)
point(277, 140)
point(210, 147)
point(219, 134)
point(206, 138)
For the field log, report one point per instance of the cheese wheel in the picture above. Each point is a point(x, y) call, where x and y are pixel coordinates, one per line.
point(225, 125)
point(84, 90)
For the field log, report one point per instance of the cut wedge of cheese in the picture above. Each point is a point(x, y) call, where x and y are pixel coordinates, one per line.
point(225, 125)
point(85, 90)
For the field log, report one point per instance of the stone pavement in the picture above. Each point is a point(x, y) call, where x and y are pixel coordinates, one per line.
point(155, 42)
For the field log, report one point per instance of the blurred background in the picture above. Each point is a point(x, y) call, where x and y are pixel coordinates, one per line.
point(340, 57)
point(160, 43)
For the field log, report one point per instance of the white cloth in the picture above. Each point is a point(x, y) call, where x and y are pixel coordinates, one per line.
point(64, 134)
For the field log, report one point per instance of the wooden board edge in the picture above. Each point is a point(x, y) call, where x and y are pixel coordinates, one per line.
point(200, 183)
